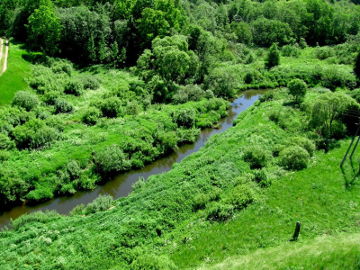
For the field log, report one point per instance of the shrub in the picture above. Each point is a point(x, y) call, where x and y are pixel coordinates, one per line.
point(324, 52)
point(6, 143)
point(34, 134)
point(73, 88)
point(190, 92)
point(305, 143)
point(91, 116)
point(25, 100)
point(294, 158)
point(90, 83)
point(50, 97)
point(101, 203)
point(290, 51)
point(273, 57)
point(256, 156)
point(73, 170)
point(111, 107)
point(241, 196)
point(297, 88)
point(184, 118)
point(220, 212)
point(111, 160)
point(62, 106)
point(62, 67)
point(221, 82)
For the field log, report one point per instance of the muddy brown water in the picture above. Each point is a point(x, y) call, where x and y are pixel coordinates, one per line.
point(121, 185)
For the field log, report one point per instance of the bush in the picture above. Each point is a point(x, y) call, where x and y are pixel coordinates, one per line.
point(26, 100)
point(62, 106)
point(111, 107)
point(297, 88)
point(73, 88)
point(101, 203)
point(111, 160)
point(273, 57)
point(6, 143)
point(34, 134)
point(221, 82)
point(190, 92)
point(290, 51)
point(62, 67)
point(220, 212)
point(256, 156)
point(241, 196)
point(73, 170)
point(305, 143)
point(324, 52)
point(294, 158)
point(184, 118)
point(90, 83)
point(50, 97)
point(91, 116)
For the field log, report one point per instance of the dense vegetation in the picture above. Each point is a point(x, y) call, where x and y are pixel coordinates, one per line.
point(97, 88)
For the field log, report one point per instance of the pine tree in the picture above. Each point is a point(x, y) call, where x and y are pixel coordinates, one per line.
point(273, 58)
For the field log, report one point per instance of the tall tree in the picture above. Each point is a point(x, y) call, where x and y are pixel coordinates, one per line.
point(273, 58)
point(44, 28)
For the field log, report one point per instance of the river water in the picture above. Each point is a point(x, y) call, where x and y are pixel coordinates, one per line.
point(121, 185)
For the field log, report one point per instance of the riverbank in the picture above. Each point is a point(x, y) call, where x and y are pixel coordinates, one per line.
point(121, 185)
point(162, 216)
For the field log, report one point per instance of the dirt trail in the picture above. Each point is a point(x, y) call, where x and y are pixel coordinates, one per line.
point(4, 45)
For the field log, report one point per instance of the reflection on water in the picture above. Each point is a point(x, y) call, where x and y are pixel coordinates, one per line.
point(121, 185)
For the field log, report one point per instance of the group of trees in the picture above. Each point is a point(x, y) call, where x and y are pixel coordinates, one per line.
point(117, 32)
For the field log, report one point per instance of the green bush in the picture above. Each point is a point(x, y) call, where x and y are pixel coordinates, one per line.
point(26, 100)
point(324, 52)
point(73, 88)
point(101, 203)
point(112, 159)
point(190, 92)
point(50, 97)
point(294, 158)
point(184, 118)
point(62, 106)
point(290, 51)
point(256, 156)
point(91, 116)
point(220, 212)
point(241, 196)
point(273, 57)
point(297, 88)
point(62, 67)
point(305, 143)
point(111, 107)
point(90, 83)
point(6, 143)
point(34, 134)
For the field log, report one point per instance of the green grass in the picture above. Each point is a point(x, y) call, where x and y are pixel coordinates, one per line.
point(316, 197)
point(325, 252)
point(13, 79)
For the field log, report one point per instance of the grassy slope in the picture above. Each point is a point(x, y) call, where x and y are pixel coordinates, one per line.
point(339, 252)
point(13, 79)
point(316, 196)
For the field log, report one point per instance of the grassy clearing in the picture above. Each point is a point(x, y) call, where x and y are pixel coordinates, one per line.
point(13, 79)
point(316, 197)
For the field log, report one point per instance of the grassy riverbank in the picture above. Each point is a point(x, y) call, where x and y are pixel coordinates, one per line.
point(172, 218)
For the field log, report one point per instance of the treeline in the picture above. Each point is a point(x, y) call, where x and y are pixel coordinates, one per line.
point(117, 31)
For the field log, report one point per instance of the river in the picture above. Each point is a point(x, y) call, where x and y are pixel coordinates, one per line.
point(121, 185)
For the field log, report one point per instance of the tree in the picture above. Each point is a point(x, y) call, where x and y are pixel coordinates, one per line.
point(328, 110)
point(44, 29)
point(357, 67)
point(297, 88)
point(273, 58)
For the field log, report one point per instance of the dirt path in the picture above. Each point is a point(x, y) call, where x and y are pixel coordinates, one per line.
point(4, 52)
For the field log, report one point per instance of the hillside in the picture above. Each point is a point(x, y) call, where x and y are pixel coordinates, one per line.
point(170, 134)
